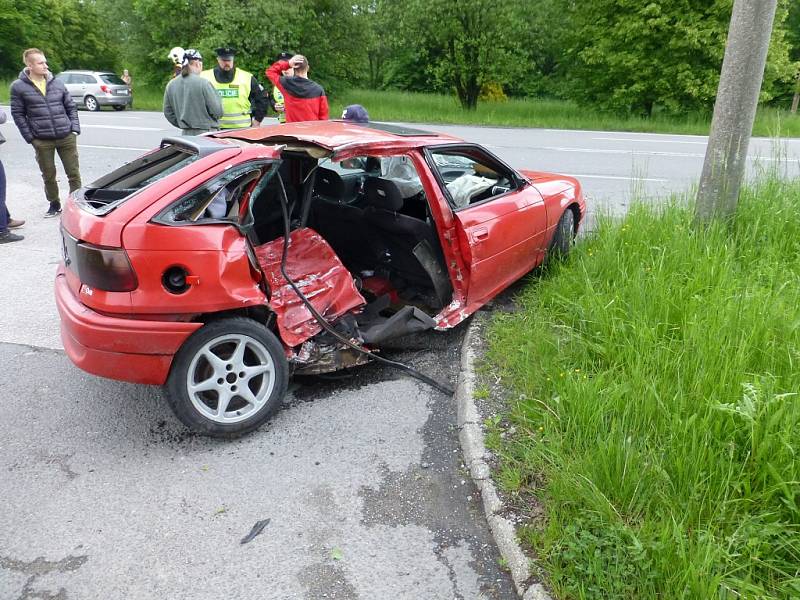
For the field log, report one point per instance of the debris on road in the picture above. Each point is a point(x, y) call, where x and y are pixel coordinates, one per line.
point(257, 528)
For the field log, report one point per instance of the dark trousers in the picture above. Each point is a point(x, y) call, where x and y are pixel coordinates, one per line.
point(67, 148)
point(4, 216)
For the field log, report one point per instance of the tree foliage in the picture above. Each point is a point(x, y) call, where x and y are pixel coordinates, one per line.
point(635, 56)
point(71, 33)
point(631, 55)
point(465, 44)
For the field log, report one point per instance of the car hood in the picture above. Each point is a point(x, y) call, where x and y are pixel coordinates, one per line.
point(550, 183)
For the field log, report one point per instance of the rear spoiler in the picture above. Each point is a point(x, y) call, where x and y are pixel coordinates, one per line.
point(198, 145)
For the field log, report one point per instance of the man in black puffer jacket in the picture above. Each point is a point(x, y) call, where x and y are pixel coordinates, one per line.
point(48, 120)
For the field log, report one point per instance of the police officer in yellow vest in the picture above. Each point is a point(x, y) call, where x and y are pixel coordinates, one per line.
point(242, 96)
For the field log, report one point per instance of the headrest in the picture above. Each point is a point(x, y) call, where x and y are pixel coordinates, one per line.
point(383, 193)
point(328, 183)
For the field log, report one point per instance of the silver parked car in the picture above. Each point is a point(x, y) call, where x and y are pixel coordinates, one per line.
point(94, 89)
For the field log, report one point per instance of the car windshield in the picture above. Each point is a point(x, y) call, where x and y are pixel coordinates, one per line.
point(111, 78)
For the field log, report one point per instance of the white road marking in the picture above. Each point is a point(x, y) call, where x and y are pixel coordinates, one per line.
point(650, 153)
point(631, 178)
point(631, 133)
point(618, 139)
point(114, 147)
point(128, 127)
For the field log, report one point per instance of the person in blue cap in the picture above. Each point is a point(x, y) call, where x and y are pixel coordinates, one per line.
point(355, 113)
point(398, 169)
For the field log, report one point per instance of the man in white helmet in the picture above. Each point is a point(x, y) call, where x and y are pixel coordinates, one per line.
point(190, 101)
point(176, 56)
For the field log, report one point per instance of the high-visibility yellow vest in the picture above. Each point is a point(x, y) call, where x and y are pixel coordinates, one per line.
point(235, 98)
point(278, 97)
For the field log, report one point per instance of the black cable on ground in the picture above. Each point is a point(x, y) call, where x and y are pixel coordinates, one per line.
point(445, 389)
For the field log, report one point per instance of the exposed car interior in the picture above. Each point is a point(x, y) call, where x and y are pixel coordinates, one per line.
point(387, 241)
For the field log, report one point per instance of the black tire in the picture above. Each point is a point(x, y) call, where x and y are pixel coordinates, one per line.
point(91, 104)
point(235, 345)
point(564, 237)
point(118, 107)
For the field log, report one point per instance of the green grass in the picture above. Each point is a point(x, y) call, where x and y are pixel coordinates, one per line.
point(148, 98)
point(435, 108)
point(655, 408)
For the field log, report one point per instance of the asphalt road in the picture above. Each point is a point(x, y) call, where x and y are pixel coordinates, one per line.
point(106, 495)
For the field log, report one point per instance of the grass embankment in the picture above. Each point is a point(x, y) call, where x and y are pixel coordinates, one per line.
point(655, 407)
point(558, 114)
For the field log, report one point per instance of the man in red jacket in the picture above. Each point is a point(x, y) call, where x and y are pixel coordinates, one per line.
point(305, 100)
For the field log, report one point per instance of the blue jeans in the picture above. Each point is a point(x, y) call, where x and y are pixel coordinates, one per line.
point(4, 216)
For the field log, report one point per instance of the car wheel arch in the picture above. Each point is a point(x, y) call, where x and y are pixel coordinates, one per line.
point(259, 314)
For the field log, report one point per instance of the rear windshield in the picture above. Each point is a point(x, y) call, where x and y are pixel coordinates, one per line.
point(112, 79)
point(108, 192)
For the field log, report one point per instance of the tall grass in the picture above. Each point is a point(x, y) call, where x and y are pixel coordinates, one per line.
point(656, 409)
point(560, 114)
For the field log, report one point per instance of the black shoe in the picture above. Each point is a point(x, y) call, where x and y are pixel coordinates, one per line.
point(54, 210)
point(7, 236)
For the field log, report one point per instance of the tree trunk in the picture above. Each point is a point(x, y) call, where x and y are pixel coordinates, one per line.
point(735, 109)
point(468, 93)
point(796, 99)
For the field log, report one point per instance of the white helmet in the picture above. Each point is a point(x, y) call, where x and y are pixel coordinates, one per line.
point(176, 55)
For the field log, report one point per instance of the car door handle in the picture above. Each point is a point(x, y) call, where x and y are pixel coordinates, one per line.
point(480, 233)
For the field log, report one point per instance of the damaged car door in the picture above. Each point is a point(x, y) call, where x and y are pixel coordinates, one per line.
point(500, 217)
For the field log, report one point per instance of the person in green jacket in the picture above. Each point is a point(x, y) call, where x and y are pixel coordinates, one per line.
point(190, 102)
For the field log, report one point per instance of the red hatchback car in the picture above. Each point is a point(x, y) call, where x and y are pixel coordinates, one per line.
point(219, 265)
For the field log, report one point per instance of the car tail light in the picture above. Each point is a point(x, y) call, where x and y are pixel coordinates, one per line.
point(107, 269)
point(104, 88)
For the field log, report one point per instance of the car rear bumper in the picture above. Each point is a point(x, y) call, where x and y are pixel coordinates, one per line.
point(114, 100)
point(116, 347)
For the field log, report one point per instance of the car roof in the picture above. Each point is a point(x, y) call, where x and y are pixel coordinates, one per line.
point(88, 72)
point(340, 135)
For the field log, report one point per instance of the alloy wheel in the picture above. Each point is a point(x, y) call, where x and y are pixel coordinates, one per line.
point(230, 378)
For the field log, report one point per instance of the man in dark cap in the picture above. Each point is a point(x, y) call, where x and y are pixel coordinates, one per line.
point(242, 95)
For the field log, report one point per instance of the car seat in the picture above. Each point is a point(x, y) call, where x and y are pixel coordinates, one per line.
point(340, 223)
point(413, 248)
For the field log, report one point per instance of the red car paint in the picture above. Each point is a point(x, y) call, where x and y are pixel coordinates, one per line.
point(320, 275)
point(110, 346)
point(133, 336)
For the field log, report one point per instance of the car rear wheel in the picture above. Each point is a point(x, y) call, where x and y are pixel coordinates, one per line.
point(119, 107)
point(564, 236)
point(90, 102)
point(228, 378)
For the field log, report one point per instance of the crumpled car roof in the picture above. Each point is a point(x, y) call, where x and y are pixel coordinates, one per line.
point(338, 135)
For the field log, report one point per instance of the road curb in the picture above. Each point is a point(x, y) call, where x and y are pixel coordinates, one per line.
point(474, 451)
